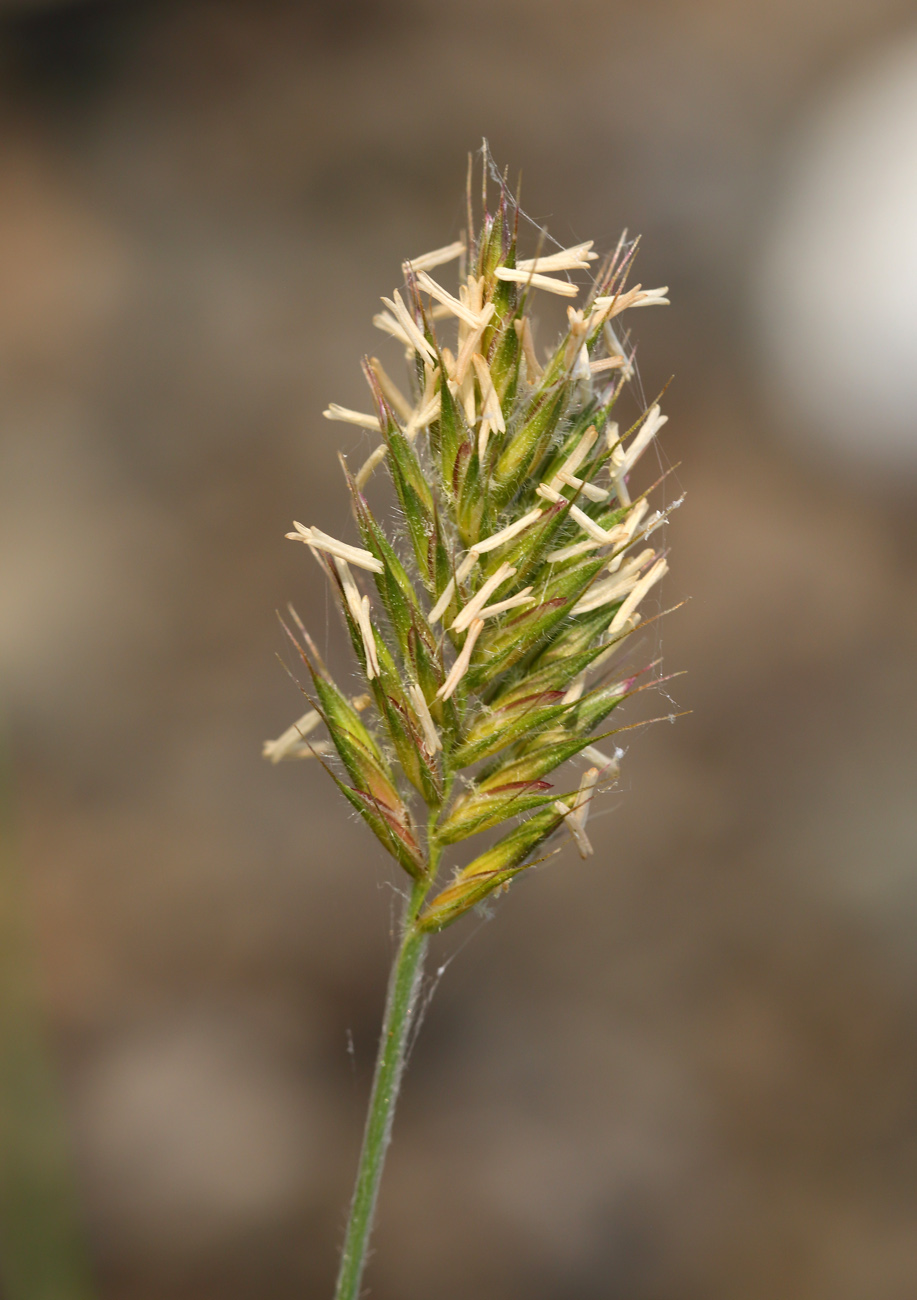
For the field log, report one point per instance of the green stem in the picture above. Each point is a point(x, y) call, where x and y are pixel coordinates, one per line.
point(400, 1010)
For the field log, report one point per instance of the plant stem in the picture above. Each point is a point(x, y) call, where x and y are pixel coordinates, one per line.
point(400, 1009)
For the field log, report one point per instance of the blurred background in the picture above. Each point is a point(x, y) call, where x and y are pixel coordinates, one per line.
point(684, 1070)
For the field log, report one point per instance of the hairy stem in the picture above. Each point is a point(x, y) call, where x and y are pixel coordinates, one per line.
point(400, 1009)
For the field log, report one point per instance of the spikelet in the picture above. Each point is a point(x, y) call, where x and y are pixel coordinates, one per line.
point(519, 568)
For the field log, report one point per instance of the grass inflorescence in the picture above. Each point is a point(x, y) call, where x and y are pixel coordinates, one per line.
point(519, 569)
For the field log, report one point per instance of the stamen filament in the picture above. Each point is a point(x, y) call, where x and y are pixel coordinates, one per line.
point(359, 609)
point(633, 600)
point(443, 296)
point(438, 257)
point(567, 259)
point(443, 603)
point(460, 667)
point(506, 534)
point(533, 368)
point(480, 598)
point(390, 390)
point(490, 402)
point(366, 470)
point(512, 602)
point(320, 541)
point(466, 351)
point(431, 735)
point(404, 318)
point(276, 750)
point(566, 288)
point(346, 416)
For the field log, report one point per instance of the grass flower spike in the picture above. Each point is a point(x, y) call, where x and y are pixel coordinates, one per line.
point(487, 623)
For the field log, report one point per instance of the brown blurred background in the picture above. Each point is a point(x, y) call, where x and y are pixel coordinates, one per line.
point(685, 1070)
